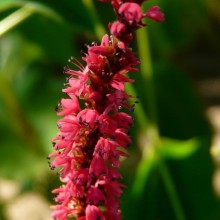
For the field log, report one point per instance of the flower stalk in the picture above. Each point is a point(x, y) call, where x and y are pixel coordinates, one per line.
point(93, 130)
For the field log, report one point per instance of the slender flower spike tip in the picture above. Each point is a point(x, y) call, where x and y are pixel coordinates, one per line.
point(93, 133)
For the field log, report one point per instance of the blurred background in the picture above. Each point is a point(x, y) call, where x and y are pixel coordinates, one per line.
point(176, 177)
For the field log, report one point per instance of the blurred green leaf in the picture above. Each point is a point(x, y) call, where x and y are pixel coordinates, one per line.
point(14, 19)
point(178, 149)
point(33, 6)
point(26, 10)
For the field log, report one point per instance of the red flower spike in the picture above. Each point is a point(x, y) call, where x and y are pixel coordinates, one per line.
point(93, 135)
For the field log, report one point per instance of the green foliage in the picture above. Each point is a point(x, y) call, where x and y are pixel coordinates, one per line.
point(168, 173)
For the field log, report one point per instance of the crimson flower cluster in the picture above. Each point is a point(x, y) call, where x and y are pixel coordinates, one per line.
point(93, 130)
point(129, 14)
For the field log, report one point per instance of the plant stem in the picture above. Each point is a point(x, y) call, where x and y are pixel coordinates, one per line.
point(18, 119)
point(98, 27)
point(171, 190)
point(148, 158)
point(147, 74)
point(153, 136)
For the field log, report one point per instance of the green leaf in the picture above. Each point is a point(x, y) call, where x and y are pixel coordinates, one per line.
point(35, 6)
point(23, 13)
point(178, 149)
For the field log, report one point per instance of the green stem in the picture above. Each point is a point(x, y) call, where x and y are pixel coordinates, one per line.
point(98, 27)
point(15, 18)
point(144, 168)
point(148, 155)
point(171, 190)
point(149, 159)
point(18, 118)
point(147, 74)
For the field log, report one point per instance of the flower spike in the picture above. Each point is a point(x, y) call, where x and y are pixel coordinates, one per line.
point(93, 135)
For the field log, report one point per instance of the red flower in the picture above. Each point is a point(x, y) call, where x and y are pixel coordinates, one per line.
point(117, 28)
point(85, 143)
point(95, 197)
point(155, 14)
point(93, 213)
point(98, 167)
point(93, 133)
point(130, 16)
point(130, 12)
point(77, 81)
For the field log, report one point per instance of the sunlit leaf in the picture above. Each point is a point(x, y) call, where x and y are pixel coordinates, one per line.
point(23, 13)
point(178, 149)
point(35, 6)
